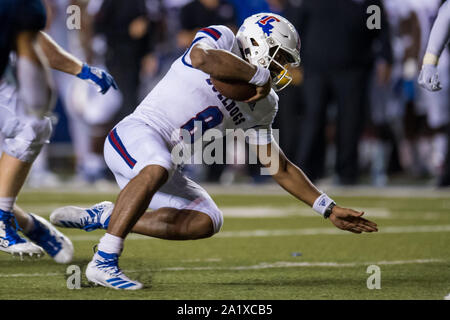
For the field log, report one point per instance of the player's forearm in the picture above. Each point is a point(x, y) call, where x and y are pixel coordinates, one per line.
point(293, 180)
point(58, 58)
point(439, 35)
point(221, 64)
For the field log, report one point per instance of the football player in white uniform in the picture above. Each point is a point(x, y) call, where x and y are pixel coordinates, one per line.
point(138, 149)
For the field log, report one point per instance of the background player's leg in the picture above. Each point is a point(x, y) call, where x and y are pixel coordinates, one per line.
point(42, 233)
point(12, 175)
point(23, 219)
point(35, 94)
point(175, 224)
point(14, 171)
point(33, 87)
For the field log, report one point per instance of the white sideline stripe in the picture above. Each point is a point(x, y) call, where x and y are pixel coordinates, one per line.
point(30, 275)
point(263, 265)
point(46, 209)
point(288, 232)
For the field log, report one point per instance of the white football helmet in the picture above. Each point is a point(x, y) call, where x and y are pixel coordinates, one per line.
point(269, 40)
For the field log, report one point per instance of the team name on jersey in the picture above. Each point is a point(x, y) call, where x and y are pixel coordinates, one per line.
point(231, 106)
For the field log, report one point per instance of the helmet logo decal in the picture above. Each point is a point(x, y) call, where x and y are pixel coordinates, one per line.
point(266, 24)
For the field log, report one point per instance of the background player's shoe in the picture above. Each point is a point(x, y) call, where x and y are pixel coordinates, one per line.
point(88, 219)
point(11, 242)
point(104, 270)
point(56, 244)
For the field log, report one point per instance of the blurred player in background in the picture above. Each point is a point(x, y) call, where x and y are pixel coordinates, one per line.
point(388, 98)
point(25, 123)
point(434, 106)
point(429, 75)
point(138, 150)
point(90, 116)
point(406, 117)
point(439, 37)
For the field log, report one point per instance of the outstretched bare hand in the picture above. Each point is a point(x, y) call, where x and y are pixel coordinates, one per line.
point(351, 220)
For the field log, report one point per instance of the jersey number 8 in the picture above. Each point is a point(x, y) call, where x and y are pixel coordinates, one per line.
point(208, 118)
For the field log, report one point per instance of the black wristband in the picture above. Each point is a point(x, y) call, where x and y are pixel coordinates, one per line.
point(328, 210)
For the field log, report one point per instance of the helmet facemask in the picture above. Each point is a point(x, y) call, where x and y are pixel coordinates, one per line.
point(277, 61)
point(280, 61)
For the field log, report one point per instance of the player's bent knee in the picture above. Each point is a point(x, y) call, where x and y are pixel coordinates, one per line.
point(189, 225)
point(211, 223)
point(201, 227)
point(206, 230)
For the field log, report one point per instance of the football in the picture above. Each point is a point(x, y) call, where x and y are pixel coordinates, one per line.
point(235, 90)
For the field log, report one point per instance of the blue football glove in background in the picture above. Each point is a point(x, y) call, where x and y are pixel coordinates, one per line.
point(428, 78)
point(98, 77)
point(409, 89)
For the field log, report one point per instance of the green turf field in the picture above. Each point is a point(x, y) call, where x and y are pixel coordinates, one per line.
point(270, 247)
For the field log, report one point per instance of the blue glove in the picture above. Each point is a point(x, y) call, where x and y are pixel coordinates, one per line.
point(429, 78)
point(98, 77)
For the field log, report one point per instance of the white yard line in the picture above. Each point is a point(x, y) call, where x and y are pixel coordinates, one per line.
point(30, 275)
point(263, 265)
point(46, 209)
point(289, 264)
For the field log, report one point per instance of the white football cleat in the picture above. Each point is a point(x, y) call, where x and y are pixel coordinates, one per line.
point(104, 270)
point(88, 219)
point(12, 243)
point(56, 244)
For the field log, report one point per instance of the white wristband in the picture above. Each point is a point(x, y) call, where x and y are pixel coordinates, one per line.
point(260, 77)
point(322, 203)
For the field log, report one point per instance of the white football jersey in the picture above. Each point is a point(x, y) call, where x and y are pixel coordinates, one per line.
point(186, 94)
